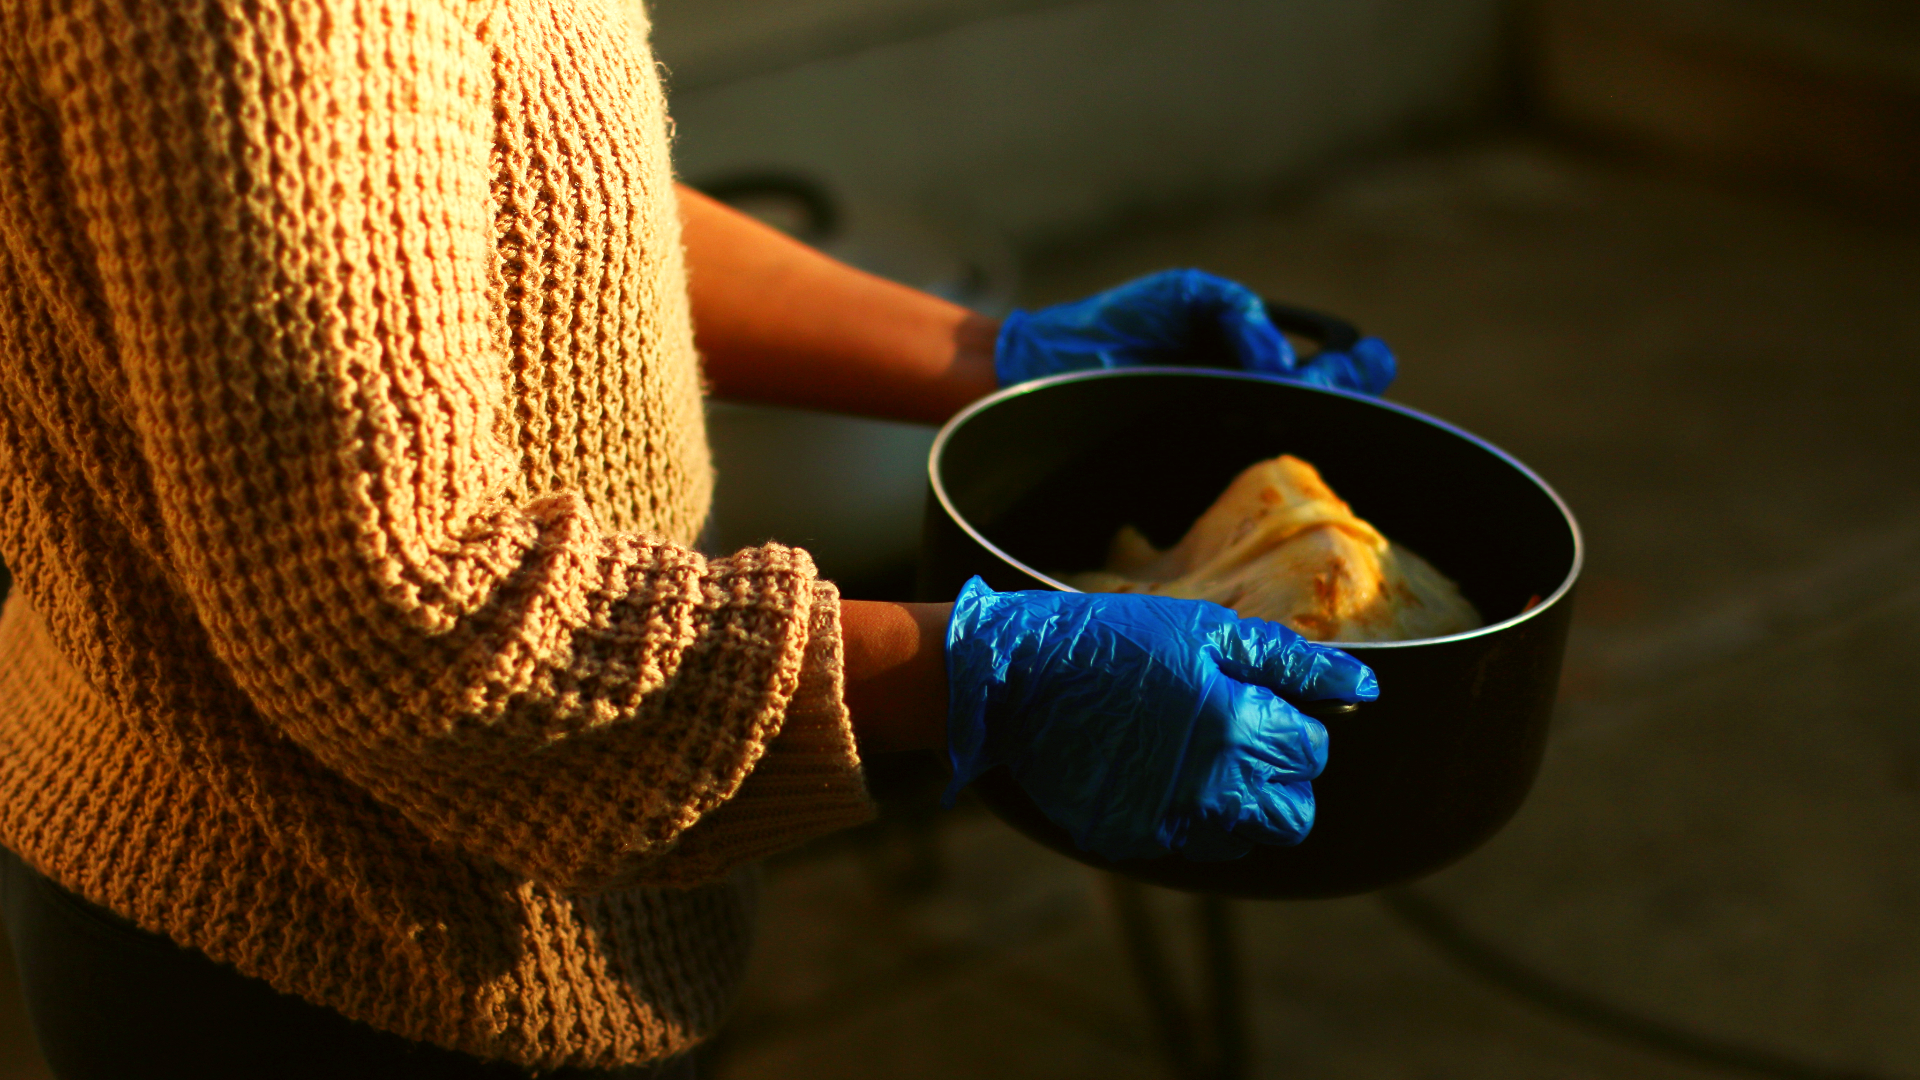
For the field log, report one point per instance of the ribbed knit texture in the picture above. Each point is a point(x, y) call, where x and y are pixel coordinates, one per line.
point(350, 445)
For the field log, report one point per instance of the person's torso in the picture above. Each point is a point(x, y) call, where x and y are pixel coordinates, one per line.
point(129, 766)
point(601, 392)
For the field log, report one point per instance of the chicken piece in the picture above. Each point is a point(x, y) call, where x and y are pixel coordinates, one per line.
point(1278, 544)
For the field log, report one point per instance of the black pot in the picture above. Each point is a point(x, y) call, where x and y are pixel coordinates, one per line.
point(1033, 482)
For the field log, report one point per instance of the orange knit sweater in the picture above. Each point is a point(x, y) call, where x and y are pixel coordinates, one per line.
point(350, 448)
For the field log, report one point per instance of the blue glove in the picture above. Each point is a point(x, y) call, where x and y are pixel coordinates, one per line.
point(1173, 318)
point(1143, 724)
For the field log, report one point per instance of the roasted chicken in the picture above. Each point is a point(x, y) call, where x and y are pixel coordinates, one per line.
point(1280, 545)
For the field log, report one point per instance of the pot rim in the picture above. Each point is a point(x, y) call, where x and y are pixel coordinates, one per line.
point(960, 418)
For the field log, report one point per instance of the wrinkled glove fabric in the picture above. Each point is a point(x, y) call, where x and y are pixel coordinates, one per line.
point(1143, 725)
point(1172, 318)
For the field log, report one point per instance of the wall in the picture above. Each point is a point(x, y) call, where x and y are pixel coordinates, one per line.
point(1822, 96)
point(1034, 118)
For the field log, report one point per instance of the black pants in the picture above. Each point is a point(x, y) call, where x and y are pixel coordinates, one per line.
point(110, 1001)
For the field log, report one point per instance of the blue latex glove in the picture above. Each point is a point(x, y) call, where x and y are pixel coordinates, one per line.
point(1143, 724)
point(1173, 318)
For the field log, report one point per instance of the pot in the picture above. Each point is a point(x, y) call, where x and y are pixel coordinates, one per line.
point(1033, 482)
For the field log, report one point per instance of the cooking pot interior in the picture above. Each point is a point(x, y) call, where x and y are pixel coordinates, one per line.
point(1050, 475)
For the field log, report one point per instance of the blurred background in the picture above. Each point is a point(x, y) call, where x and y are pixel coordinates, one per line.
point(1667, 252)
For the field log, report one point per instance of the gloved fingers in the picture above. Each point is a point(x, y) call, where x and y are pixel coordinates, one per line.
point(1240, 318)
point(1368, 368)
point(1176, 317)
point(1285, 814)
point(1335, 675)
point(1152, 320)
point(1119, 718)
point(1247, 746)
point(1270, 655)
point(1263, 808)
point(1273, 739)
point(1138, 322)
point(1376, 363)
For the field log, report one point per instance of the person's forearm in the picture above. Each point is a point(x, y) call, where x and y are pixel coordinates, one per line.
point(896, 671)
point(777, 321)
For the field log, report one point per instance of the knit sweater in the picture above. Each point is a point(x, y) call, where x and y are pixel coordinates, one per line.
point(350, 454)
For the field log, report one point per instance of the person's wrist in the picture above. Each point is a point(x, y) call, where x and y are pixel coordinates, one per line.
point(975, 348)
point(896, 674)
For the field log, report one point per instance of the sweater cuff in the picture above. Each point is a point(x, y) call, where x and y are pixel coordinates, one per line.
point(807, 784)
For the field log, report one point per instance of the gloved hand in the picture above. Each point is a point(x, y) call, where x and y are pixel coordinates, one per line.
point(1171, 318)
point(1143, 724)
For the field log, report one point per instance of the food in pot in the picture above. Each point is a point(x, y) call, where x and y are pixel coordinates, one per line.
point(1278, 544)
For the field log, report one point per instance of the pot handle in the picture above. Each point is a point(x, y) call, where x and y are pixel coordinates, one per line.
point(1330, 332)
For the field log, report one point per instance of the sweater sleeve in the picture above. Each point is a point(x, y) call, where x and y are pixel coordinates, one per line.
point(288, 210)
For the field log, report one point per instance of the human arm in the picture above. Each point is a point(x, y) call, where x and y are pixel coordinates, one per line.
point(295, 246)
point(896, 664)
point(780, 322)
